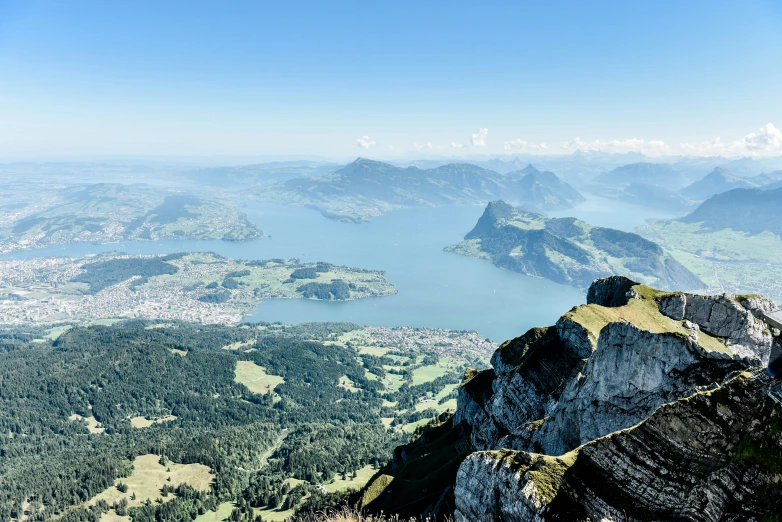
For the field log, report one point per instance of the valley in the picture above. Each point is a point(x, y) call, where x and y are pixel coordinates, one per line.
point(731, 241)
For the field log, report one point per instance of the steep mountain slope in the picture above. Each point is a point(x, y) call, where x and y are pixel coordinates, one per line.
point(367, 188)
point(567, 250)
point(636, 406)
point(650, 173)
point(543, 189)
point(750, 210)
point(718, 180)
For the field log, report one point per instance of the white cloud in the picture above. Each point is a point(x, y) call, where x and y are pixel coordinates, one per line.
point(365, 142)
point(651, 148)
point(479, 139)
point(766, 141)
point(428, 145)
point(521, 145)
point(704, 148)
point(455, 145)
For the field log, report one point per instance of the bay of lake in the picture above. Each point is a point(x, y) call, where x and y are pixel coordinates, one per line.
point(436, 289)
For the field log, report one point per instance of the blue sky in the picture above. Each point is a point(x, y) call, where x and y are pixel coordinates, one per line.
point(236, 78)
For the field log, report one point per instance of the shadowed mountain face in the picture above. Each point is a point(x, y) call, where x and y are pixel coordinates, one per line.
point(719, 180)
point(749, 210)
point(649, 173)
point(655, 196)
point(567, 250)
point(406, 186)
point(367, 188)
point(543, 189)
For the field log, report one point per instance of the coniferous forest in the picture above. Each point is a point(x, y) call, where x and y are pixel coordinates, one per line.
point(310, 429)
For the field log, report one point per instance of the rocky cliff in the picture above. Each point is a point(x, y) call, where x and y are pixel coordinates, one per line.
point(639, 405)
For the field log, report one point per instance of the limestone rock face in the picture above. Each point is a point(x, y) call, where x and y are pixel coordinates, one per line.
point(575, 337)
point(723, 316)
point(758, 304)
point(611, 291)
point(630, 374)
point(474, 408)
point(680, 464)
point(629, 408)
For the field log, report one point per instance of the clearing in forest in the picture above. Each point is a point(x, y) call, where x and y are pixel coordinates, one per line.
point(255, 378)
point(148, 478)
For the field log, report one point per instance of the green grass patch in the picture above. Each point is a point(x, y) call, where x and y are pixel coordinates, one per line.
point(222, 513)
point(643, 313)
point(149, 477)
point(429, 373)
point(255, 378)
point(362, 477)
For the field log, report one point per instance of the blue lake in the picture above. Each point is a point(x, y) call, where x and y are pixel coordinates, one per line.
point(436, 289)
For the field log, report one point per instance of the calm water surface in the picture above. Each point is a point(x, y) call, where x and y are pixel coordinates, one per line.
point(436, 289)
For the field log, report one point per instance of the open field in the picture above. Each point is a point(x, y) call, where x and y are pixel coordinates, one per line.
point(92, 423)
point(149, 477)
point(222, 513)
point(430, 373)
point(362, 477)
point(255, 378)
point(143, 422)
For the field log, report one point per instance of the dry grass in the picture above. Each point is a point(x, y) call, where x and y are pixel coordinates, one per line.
point(149, 477)
point(92, 423)
point(643, 313)
point(255, 378)
point(143, 422)
point(346, 514)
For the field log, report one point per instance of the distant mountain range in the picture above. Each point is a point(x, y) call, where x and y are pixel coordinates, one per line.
point(660, 174)
point(569, 251)
point(655, 196)
point(722, 180)
point(718, 180)
point(367, 188)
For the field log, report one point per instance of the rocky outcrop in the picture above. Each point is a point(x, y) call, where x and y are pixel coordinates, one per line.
point(725, 317)
point(620, 411)
point(641, 405)
point(630, 374)
point(611, 292)
point(690, 460)
point(601, 369)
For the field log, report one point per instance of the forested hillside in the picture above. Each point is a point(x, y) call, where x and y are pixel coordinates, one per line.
point(76, 412)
